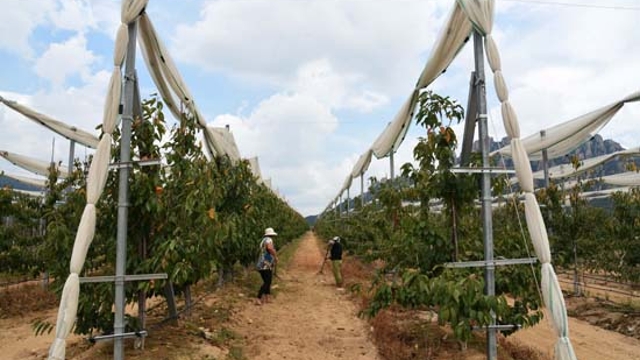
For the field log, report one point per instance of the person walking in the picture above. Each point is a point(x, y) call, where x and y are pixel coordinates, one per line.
point(335, 255)
point(266, 262)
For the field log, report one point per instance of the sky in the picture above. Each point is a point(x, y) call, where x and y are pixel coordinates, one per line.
point(308, 85)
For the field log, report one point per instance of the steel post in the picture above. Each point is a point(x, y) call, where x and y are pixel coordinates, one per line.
point(123, 192)
point(489, 274)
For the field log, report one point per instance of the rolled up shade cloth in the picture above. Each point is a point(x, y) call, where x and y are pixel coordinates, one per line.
point(35, 166)
point(449, 43)
point(166, 77)
point(563, 138)
point(255, 167)
point(393, 135)
point(567, 170)
point(629, 178)
point(223, 143)
point(347, 184)
point(41, 183)
point(70, 132)
point(362, 165)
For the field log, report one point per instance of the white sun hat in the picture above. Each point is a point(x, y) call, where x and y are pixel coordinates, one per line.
point(270, 232)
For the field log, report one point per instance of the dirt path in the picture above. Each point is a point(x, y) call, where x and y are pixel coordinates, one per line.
point(309, 319)
point(589, 342)
point(17, 340)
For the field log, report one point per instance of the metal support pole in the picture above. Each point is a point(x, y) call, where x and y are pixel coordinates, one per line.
point(391, 165)
point(545, 161)
point(340, 205)
point(72, 149)
point(123, 192)
point(348, 201)
point(362, 190)
point(489, 273)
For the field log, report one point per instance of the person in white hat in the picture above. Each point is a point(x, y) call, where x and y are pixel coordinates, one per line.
point(266, 263)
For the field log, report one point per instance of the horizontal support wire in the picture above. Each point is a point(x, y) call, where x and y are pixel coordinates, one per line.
point(136, 334)
point(128, 164)
point(474, 170)
point(112, 278)
point(484, 263)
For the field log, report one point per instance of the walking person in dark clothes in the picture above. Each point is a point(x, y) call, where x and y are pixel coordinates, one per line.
point(335, 255)
point(267, 261)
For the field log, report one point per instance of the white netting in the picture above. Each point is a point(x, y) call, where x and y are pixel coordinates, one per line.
point(362, 164)
point(480, 12)
point(34, 165)
point(95, 185)
point(68, 131)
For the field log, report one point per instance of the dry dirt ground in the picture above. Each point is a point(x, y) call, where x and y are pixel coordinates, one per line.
point(309, 318)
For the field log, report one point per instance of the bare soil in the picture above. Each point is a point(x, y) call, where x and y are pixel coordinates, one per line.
point(310, 319)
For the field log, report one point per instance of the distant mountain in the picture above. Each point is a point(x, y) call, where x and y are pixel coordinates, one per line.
point(15, 184)
point(311, 219)
point(597, 146)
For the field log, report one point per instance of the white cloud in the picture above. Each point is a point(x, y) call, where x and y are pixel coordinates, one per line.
point(380, 42)
point(17, 22)
point(63, 60)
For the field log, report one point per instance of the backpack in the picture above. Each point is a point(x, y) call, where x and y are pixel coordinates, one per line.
point(265, 259)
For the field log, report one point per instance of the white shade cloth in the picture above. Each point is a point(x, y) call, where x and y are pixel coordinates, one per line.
point(347, 184)
point(38, 167)
point(362, 165)
point(449, 43)
point(630, 178)
point(223, 142)
point(41, 183)
point(393, 135)
point(563, 138)
point(70, 132)
point(254, 164)
point(167, 79)
point(481, 14)
point(96, 181)
point(567, 170)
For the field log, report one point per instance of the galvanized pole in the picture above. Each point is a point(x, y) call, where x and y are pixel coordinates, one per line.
point(391, 165)
point(362, 190)
point(348, 201)
point(123, 192)
point(489, 273)
point(72, 148)
point(545, 161)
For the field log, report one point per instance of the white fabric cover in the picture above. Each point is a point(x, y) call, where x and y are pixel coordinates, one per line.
point(537, 230)
point(567, 170)
point(38, 167)
point(522, 166)
point(255, 168)
point(70, 132)
point(81, 244)
point(347, 184)
point(450, 40)
point(481, 14)
point(131, 9)
point(96, 180)
point(98, 171)
point(630, 178)
point(27, 180)
point(393, 135)
point(66, 316)
point(565, 137)
point(362, 165)
point(167, 78)
point(223, 142)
